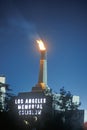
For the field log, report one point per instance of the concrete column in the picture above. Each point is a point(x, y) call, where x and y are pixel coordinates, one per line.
point(43, 68)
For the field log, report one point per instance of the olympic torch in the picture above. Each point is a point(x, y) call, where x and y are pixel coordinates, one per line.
point(42, 79)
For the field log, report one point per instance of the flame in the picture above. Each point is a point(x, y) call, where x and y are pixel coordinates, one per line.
point(41, 45)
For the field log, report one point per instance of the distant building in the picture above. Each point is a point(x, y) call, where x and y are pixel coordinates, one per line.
point(2, 92)
point(85, 115)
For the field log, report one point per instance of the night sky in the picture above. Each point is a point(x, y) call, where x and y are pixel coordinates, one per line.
point(62, 24)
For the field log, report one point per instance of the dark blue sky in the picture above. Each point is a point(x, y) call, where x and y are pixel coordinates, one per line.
point(63, 25)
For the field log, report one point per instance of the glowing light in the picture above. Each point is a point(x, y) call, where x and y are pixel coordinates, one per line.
point(42, 85)
point(26, 122)
point(41, 45)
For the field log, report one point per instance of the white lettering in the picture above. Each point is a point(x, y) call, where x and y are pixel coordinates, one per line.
point(15, 101)
point(22, 106)
point(26, 112)
point(19, 106)
point(32, 100)
point(26, 101)
point(18, 101)
point(26, 106)
point(29, 106)
point(40, 106)
point(29, 112)
point(35, 100)
point(21, 101)
point(32, 106)
point(36, 112)
point(44, 100)
point(39, 112)
point(29, 100)
point(19, 112)
point(22, 112)
point(37, 106)
point(38, 100)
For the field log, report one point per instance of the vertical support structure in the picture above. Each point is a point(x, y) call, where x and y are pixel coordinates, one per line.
point(42, 79)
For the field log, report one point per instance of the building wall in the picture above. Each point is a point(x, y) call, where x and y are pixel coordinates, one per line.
point(75, 119)
point(32, 103)
point(85, 116)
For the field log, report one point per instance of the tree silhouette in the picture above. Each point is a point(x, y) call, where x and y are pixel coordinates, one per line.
point(65, 101)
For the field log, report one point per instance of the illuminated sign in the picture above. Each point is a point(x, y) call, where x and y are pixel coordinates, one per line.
point(30, 106)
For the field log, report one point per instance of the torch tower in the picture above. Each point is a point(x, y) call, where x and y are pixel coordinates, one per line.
point(42, 78)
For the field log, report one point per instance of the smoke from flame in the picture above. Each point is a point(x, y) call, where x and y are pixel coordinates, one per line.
point(41, 45)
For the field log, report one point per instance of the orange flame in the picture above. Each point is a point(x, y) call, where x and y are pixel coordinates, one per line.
point(41, 45)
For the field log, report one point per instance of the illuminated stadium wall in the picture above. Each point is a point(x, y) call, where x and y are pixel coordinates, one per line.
point(36, 101)
point(32, 103)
